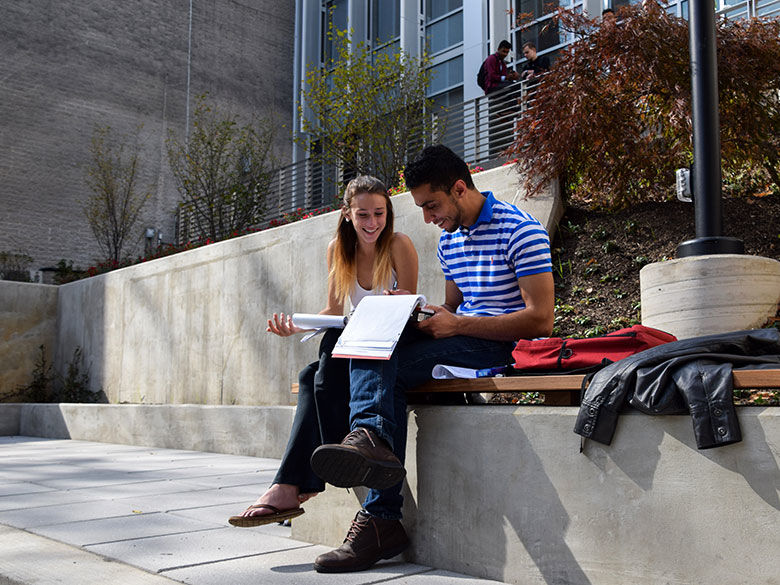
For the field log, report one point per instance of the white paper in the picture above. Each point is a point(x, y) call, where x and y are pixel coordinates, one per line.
point(375, 326)
point(441, 372)
point(310, 321)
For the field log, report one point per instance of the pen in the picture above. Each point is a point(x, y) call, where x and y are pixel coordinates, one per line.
point(488, 372)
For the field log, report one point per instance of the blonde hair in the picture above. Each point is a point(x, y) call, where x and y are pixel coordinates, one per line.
point(343, 271)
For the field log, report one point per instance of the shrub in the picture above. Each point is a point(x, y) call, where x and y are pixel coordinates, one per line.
point(48, 385)
point(613, 117)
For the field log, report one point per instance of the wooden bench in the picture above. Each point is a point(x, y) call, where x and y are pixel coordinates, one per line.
point(564, 389)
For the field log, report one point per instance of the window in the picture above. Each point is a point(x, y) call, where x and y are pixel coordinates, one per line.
point(334, 18)
point(385, 22)
point(444, 33)
point(436, 8)
point(444, 41)
point(446, 75)
point(541, 30)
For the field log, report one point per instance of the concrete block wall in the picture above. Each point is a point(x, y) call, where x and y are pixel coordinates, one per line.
point(28, 319)
point(255, 431)
point(504, 493)
point(190, 328)
point(68, 66)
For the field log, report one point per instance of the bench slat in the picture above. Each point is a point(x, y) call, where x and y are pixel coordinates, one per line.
point(552, 382)
point(566, 383)
point(756, 378)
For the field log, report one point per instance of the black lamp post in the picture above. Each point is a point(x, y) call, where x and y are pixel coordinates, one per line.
point(706, 139)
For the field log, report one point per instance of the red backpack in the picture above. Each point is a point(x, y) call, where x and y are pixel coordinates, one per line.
point(554, 354)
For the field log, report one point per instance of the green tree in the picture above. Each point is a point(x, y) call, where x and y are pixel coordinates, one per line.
point(114, 207)
point(366, 111)
point(613, 117)
point(223, 170)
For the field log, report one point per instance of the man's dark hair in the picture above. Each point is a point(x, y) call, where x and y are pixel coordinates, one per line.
point(438, 167)
point(505, 45)
point(607, 11)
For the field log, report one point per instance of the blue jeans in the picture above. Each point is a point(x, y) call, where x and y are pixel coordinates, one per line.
point(378, 392)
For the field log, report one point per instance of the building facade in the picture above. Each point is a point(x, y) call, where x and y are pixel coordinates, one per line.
point(69, 66)
point(458, 34)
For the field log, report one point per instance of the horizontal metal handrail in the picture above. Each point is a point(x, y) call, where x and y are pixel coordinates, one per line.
point(480, 130)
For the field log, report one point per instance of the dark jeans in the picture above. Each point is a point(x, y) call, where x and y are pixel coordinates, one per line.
point(378, 392)
point(322, 415)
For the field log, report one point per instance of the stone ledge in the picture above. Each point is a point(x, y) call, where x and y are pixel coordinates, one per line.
point(503, 493)
point(257, 431)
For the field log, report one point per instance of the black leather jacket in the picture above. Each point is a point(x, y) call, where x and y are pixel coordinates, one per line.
point(691, 375)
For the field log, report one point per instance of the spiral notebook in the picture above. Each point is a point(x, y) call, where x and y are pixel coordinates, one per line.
point(374, 328)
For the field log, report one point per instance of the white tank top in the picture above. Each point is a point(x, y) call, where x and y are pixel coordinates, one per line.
point(358, 292)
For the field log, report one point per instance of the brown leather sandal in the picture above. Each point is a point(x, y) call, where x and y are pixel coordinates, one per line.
point(276, 516)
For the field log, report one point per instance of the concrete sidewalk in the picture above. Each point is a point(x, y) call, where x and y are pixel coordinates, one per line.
point(78, 512)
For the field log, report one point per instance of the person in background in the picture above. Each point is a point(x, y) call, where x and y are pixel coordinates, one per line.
point(497, 74)
point(536, 64)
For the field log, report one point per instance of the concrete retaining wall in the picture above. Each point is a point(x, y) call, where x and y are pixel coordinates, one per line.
point(190, 328)
point(257, 431)
point(28, 319)
point(504, 493)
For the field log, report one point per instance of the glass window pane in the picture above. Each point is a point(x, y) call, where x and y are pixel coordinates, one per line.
point(537, 8)
point(446, 74)
point(445, 33)
point(385, 20)
point(336, 15)
point(435, 8)
point(543, 35)
point(449, 98)
point(390, 49)
point(768, 8)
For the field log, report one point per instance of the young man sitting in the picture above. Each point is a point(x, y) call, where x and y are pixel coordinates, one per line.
point(499, 288)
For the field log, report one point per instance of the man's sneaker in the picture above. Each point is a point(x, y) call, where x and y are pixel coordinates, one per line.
point(368, 540)
point(360, 459)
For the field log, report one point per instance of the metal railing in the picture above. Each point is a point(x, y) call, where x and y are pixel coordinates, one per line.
point(751, 8)
point(482, 129)
point(479, 130)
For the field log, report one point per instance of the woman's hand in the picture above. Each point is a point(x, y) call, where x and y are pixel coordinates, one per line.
point(397, 291)
point(282, 325)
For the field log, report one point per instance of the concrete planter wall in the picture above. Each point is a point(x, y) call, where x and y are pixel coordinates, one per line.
point(28, 319)
point(256, 431)
point(504, 493)
point(704, 295)
point(190, 328)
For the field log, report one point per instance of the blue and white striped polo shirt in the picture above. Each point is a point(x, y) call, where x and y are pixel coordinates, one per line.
point(486, 259)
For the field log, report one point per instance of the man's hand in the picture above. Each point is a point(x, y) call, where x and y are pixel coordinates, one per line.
point(513, 75)
point(441, 324)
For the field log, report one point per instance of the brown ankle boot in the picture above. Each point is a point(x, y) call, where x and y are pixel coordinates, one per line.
point(368, 540)
point(362, 458)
